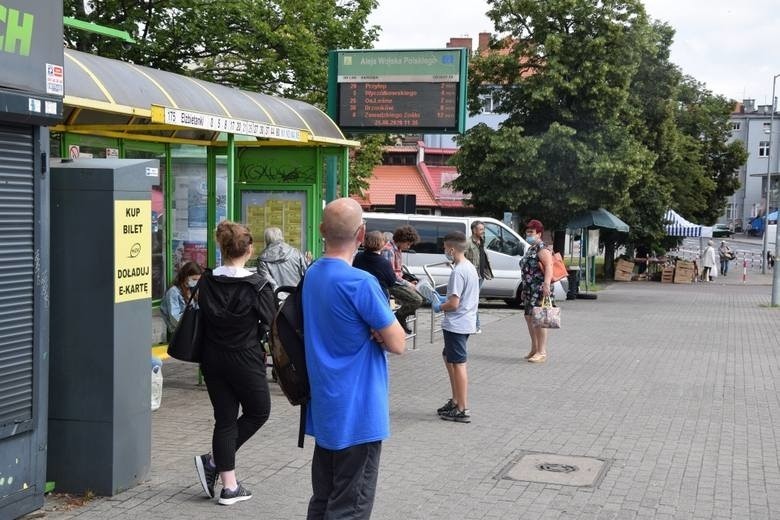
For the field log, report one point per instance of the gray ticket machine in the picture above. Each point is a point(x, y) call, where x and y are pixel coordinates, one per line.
point(99, 381)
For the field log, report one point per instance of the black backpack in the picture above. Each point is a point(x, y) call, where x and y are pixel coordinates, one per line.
point(288, 351)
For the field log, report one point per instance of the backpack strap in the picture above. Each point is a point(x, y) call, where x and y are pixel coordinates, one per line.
point(302, 425)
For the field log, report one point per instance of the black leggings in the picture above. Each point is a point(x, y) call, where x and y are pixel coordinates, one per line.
point(234, 378)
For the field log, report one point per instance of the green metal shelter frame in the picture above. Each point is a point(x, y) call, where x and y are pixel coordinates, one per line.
point(131, 110)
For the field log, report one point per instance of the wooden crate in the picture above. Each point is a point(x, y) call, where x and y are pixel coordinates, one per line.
point(667, 275)
point(683, 275)
point(623, 270)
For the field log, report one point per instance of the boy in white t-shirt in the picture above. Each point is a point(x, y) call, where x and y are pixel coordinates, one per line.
point(460, 320)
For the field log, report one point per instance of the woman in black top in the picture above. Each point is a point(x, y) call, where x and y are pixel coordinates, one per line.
point(370, 260)
point(237, 307)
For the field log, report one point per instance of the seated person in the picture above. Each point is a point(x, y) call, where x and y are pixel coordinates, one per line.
point(372, 261)
point(175, 300)
point(280, 263)
point(404, 292)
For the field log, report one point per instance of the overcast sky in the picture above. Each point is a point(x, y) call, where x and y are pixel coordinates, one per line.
point(733, 46)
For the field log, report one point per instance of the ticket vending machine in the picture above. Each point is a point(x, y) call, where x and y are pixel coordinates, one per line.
point(99, 384)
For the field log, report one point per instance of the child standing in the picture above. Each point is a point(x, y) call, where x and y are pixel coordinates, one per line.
point(460, 320)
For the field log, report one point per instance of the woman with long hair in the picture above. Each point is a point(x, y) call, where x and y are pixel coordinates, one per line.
point(237, 307)
point(175, 300)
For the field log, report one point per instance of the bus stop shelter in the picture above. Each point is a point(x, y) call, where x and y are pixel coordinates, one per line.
point(224, 153)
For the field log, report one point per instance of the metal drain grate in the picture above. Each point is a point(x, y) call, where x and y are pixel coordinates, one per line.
point(557, 468)
point(549, 468)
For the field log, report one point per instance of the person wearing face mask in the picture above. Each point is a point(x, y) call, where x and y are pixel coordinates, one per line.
point(348, 329)
point(459, 321)
point(536, 271)
point(175, 300)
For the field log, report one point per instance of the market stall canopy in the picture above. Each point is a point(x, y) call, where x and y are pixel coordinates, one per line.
point(677, 226)
point(114, 98)
point(598, 218)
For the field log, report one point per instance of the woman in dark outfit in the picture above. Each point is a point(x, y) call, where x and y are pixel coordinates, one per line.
point(372, 261)
point(237, 307)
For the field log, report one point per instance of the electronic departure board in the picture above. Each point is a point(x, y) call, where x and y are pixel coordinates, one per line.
point(398, 91)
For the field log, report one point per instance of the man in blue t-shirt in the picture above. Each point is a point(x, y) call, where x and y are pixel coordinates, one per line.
point(348, 326)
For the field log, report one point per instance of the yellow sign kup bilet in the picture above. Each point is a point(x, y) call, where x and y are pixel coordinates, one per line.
point(132, 250)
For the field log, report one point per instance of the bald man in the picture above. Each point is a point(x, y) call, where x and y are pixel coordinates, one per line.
point(348, 327)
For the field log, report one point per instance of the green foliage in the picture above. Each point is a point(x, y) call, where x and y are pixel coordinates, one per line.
point(275, 47)
point(565, 88)
point(363, 160)
point(597, 117)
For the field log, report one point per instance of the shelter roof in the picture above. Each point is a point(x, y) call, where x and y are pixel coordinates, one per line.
point(106, 95)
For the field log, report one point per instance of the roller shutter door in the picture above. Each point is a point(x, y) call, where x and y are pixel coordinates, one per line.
point(17, 270)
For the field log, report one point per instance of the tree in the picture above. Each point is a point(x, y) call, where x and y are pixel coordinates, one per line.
point(562, 77)
point(598, 116)
point(703, 118)
point(363, 160)
point(275, 47)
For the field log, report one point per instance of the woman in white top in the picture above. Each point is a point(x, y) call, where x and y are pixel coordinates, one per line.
point(708, 261)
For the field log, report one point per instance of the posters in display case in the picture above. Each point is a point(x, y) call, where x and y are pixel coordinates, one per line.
point(285, 210)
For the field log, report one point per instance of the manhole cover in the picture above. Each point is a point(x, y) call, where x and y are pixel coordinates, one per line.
point(549, 468)
point(557, 468)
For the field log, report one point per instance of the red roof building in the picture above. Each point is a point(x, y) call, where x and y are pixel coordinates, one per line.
point(405, 171)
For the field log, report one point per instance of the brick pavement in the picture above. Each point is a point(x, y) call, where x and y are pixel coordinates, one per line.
point(675, 385)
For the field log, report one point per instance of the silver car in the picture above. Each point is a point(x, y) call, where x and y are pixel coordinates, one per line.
point(503, 246)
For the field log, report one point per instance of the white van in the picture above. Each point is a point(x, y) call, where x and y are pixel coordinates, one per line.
point(503, 246)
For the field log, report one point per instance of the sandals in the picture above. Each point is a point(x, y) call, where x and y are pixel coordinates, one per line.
point(538, 358)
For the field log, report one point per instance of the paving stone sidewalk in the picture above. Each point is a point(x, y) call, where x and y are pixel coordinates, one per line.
point(674, 386)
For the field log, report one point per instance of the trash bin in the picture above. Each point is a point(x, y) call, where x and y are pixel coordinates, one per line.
point(574, 282)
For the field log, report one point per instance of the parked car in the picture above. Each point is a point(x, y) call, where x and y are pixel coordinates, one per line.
point(721, 230)
point(503, 246)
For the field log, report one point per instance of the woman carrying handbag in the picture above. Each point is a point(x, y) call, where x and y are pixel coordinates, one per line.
point(537, 272)
point(236, 309)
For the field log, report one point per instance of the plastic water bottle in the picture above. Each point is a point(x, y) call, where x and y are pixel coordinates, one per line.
point(157, 383)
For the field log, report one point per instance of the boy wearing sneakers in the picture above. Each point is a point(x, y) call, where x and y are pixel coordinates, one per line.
point(460, 320)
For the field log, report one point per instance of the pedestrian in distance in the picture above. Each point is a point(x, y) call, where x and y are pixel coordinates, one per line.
point(372, 261)
point(708, 261)
point(176, 297)
point(475, 253)
point(348, 328)
point(536, 269)
point(402, 290)
point(459, 321)
point(726, 256)
point(237, 307)
point(279, 262)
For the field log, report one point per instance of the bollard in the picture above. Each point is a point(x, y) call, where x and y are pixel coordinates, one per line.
point(744, 270)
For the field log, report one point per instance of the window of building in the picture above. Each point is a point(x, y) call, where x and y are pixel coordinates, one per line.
point(763, 149)
point(735, 125)
point(767, 126)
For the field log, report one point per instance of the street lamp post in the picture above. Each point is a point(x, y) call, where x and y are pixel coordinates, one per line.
point(769, 180)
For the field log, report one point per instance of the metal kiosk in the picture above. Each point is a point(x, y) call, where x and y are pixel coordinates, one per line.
point(100, 391)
